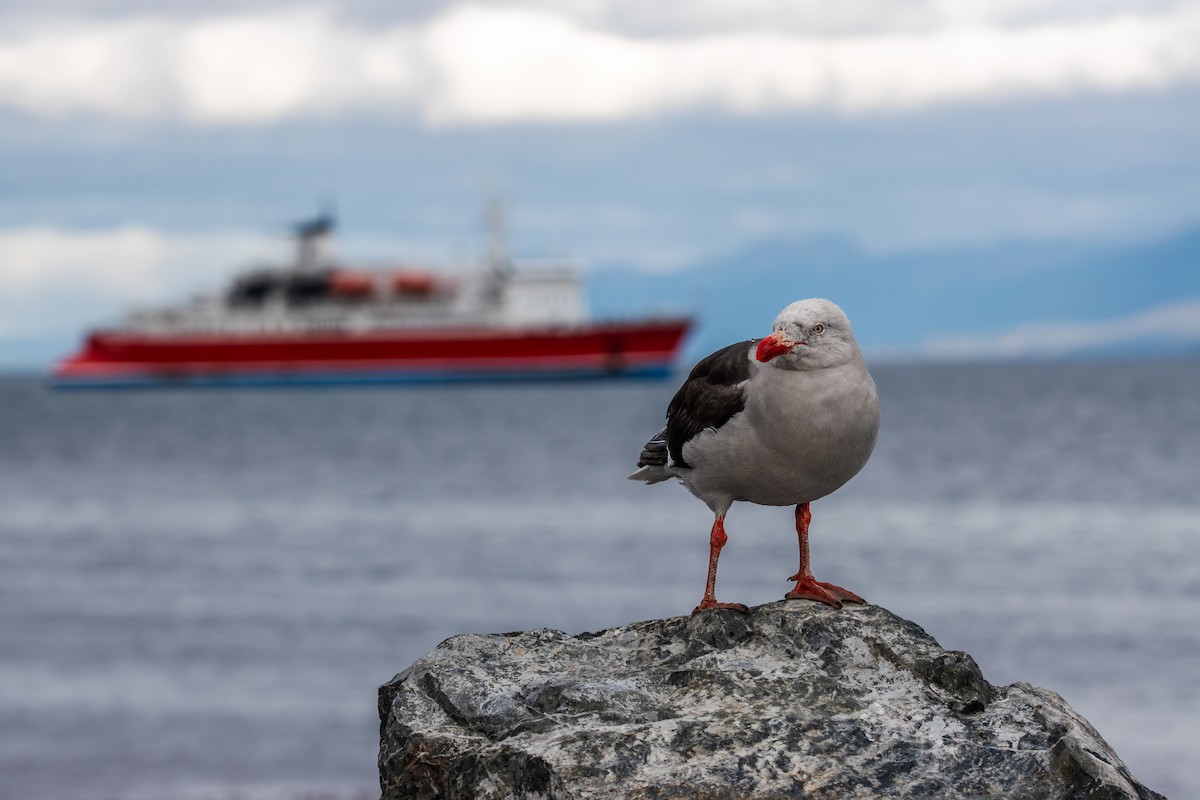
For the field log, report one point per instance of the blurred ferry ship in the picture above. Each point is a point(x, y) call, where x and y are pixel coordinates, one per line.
point(315, 322)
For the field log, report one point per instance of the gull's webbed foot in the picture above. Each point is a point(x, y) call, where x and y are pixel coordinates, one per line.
point(827, 593)
point(706, 604)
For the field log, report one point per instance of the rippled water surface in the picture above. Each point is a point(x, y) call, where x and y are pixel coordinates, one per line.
point(200, 591)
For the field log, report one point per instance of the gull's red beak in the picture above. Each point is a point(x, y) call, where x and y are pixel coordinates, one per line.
point(774, 345)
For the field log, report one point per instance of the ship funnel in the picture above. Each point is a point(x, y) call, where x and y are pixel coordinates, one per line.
point(312, 237)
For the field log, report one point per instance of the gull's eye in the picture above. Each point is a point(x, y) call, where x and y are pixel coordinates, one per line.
point(818, 328)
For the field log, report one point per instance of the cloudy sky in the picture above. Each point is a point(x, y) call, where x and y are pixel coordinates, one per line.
point(151, 148)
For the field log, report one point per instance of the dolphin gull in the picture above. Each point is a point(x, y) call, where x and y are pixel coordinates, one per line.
point(782, 420)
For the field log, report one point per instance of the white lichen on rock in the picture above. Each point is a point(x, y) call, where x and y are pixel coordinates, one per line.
point(795, 699)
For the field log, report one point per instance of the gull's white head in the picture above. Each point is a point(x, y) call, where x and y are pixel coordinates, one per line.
point(809, 334)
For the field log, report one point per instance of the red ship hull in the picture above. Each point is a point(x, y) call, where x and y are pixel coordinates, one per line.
point(417, 355)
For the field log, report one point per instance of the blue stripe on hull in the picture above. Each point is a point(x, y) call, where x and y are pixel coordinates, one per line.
point(395, 378)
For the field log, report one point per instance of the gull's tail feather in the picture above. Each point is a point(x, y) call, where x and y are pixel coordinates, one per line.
point(651, 473)
point(653, 461)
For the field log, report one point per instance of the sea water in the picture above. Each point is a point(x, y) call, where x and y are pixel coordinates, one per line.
point(201, 590)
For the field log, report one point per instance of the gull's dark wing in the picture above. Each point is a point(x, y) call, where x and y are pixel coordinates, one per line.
point(711, 395)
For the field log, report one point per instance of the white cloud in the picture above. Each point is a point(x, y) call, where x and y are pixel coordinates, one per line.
point(262, 68)
point(52, 278)
point(1178, 322)
point(476, 64)
point(835, 17)
point(638, 18)
point(56, 279)
point(247, 68)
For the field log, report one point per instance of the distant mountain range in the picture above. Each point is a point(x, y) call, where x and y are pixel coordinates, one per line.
point(1011, 301)
point(1025, 300)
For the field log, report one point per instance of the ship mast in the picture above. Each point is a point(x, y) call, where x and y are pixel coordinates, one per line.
point(499, 267)
point(495, 220)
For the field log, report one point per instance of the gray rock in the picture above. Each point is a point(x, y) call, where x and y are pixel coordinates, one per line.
point(793, 700)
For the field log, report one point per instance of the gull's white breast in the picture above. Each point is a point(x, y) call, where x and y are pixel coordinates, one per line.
point(802, 435)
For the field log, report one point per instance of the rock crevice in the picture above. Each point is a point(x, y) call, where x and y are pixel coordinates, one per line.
point(792, 700)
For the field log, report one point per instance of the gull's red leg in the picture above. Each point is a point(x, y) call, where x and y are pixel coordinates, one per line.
point(716, 540)
point(807, 588)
